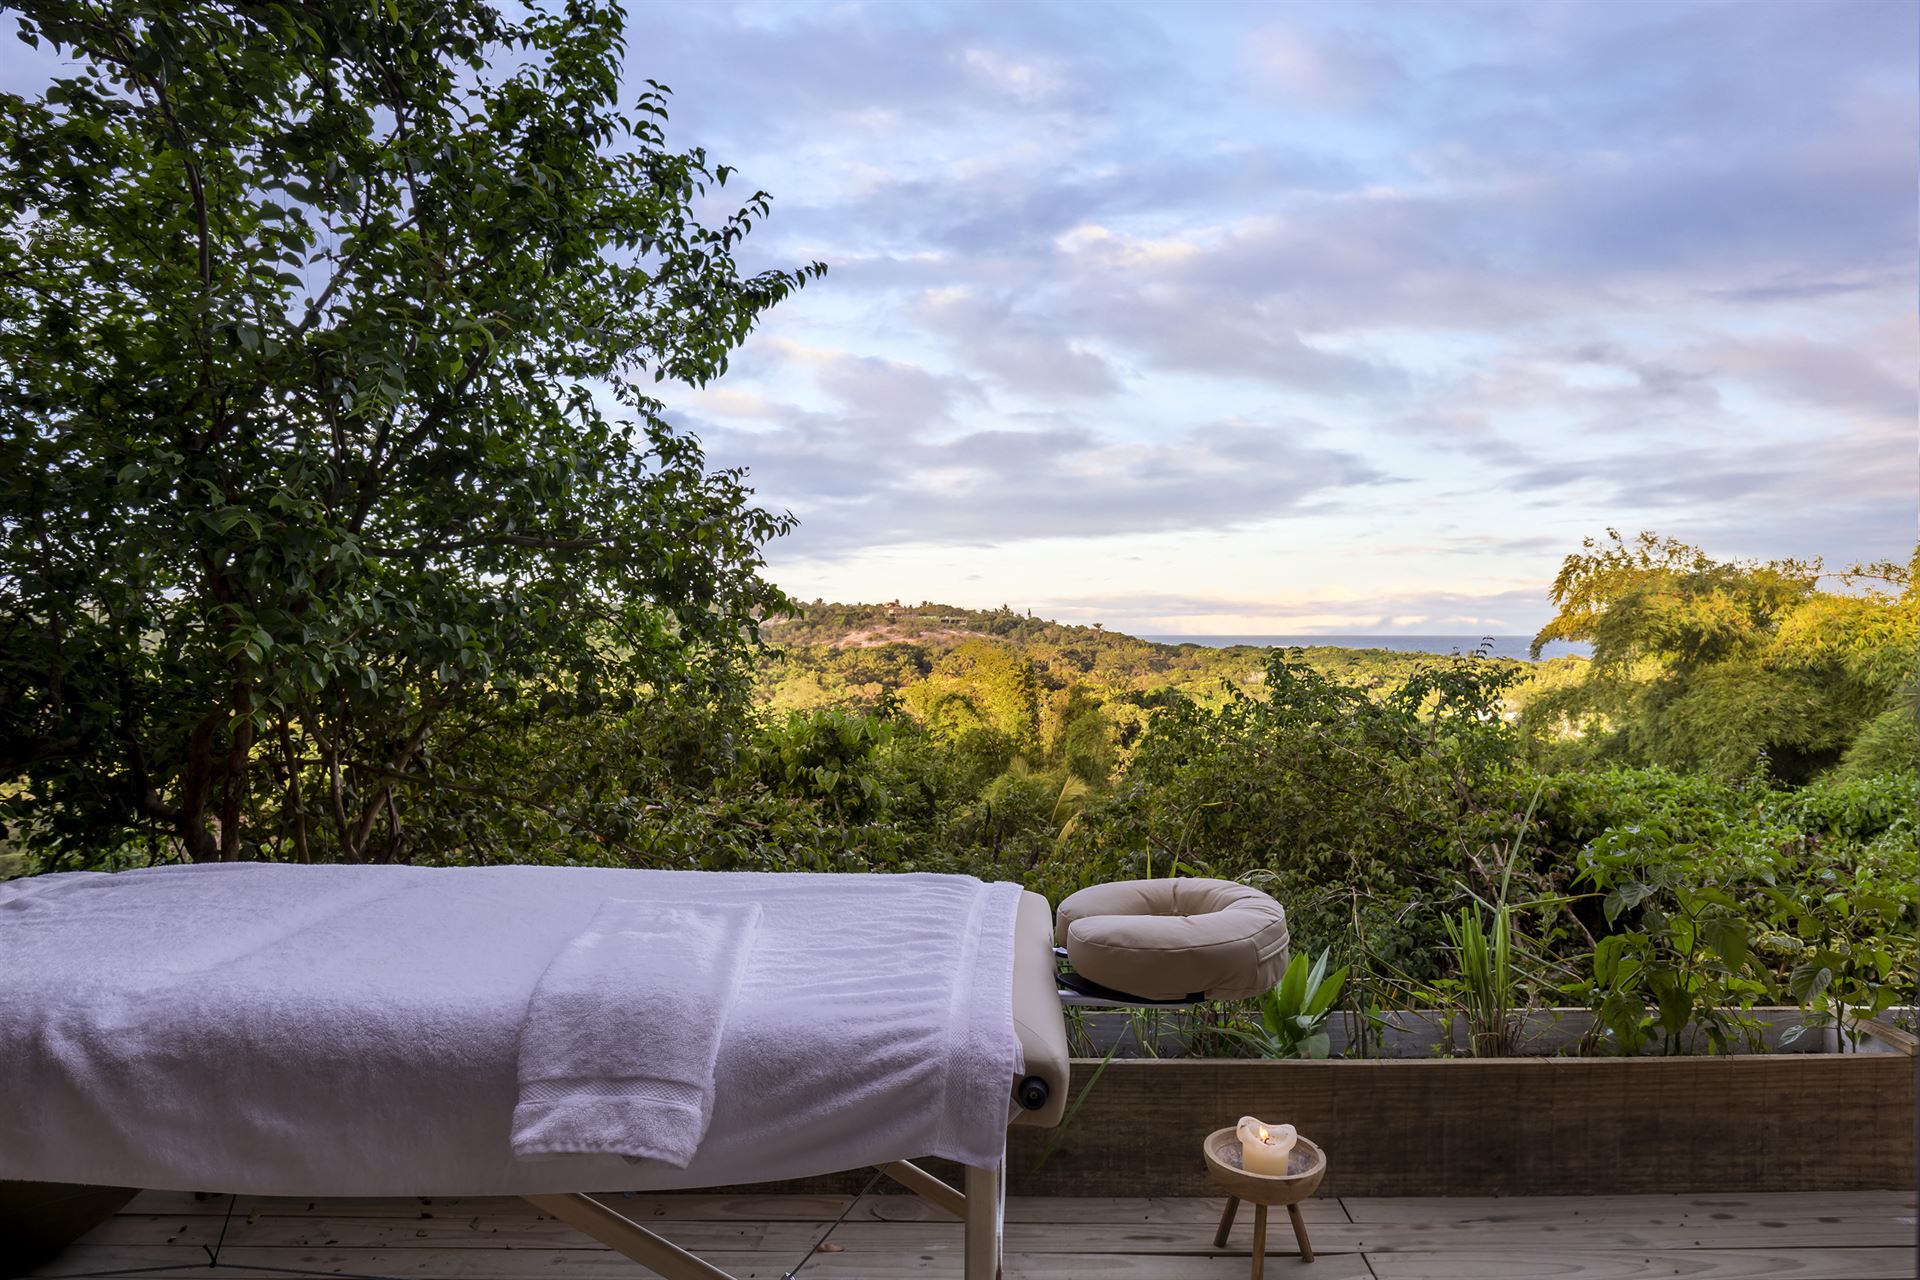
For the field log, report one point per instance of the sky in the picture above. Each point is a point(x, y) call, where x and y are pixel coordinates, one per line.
point(1284, 318)
point(1351, 317)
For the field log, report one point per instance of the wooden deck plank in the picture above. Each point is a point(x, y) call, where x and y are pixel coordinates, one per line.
point(768, 1208)
point(478, 1232)
point(1700, 1264)
point(250, 1263)
point(789, 1239)
point(695, 1207)
point(1791, 1236)
point(1787, 1206)
point(1549, 1239)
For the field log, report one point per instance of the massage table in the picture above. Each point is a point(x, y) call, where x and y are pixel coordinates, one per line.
point(327, 1031)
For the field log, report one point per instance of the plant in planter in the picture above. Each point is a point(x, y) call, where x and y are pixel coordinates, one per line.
point(1682, 964)
point(1485, 988)
point(1706, 898)
point(1835, 924)
point(1688, 965)
point(1293, 1016)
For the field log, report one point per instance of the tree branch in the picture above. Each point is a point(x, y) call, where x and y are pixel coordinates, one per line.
point(537, 541)
point(467, 788)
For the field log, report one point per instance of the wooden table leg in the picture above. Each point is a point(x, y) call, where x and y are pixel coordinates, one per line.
point(1300, 1233)
point(1226, 1222)
point(1259, 1241)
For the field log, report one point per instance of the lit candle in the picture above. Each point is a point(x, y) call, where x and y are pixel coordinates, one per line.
point(1263, 1149)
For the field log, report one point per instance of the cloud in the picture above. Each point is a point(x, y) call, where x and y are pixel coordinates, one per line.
point(1542, 400)
point(894, 393)
point(1028, 79)
point(1043, 479)
point(1020, 350)
point(1413, 610)
point(1112, 270)
point(1585, 262)
point(1180, 303)
point(1795, 287)
point(1784, 482)
point(1821, 374)
point(1327, 71)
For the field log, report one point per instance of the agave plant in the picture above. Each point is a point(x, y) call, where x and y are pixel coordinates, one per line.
point(1294, 1014)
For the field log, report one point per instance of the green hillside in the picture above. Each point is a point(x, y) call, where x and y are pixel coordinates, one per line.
point(856, 654)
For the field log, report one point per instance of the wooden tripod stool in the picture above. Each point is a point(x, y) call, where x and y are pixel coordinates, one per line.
point(1305, 1168)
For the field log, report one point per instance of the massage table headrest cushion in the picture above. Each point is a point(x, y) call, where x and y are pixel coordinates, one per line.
point(1169, 939)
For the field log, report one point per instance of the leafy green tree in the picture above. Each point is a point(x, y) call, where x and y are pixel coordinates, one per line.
point(1711, 897)
point(1362, 811)
point(982, 683)
point(1080, 738)
point(326, 454)
point(1888, 744)
point(1707, 664)
point(1662, 599)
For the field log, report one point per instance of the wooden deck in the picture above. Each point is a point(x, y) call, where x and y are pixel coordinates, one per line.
point(1801, 1236)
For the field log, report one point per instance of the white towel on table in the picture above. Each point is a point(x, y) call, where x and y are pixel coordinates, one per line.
point(618, 1049)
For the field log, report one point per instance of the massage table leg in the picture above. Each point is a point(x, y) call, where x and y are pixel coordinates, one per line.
point(927, 1187)
point(982, 1208)
point(986, 1210)
point(622, 1234)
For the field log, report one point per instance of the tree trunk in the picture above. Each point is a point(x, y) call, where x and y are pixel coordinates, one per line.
point(239, 760)
point(196, 782)
point(296, 819)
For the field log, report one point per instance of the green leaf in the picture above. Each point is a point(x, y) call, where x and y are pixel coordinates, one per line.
point(1729, 940)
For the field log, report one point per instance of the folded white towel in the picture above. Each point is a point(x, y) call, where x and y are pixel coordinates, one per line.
point(618, 1048)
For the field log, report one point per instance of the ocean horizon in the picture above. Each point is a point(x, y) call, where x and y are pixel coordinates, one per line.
point(1494, 646)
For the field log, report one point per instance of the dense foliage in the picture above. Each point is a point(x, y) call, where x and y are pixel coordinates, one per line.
point(326, 470)
point(1361, 812)
point(1461, 832)
point(340, 523)
point(1718, 665)
point(1413, 826)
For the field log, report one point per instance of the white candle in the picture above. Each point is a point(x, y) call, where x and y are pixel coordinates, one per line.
point(1264, 1148)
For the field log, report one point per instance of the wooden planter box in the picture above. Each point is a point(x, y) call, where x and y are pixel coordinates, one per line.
point(1434, 1034)
point(1500, 1126)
